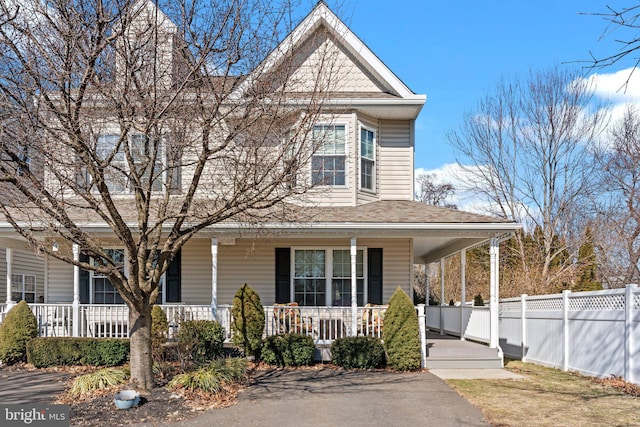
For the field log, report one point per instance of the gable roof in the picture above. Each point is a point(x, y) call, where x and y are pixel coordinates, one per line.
point(395, 91)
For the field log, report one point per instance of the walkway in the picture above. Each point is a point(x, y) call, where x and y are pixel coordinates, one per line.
point(328, 397)
point(29, 387)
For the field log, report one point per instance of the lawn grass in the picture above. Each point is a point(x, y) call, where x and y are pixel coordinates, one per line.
point(549, 397)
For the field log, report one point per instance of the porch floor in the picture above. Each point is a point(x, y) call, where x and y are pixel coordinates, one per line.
point(448, 352)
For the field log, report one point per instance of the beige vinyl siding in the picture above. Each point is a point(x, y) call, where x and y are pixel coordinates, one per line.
point(248, 261)
point(24, 262)
point(339, 70)
point(253, 262)
point(395, 160)
point(60, 282)
point(195, 269)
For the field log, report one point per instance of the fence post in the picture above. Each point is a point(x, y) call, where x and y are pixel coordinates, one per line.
point(565, 330)
point(76, 292)
point(423, 334)
point(629, 344)
point(523, 321)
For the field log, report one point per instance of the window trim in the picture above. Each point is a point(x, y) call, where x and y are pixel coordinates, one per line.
point(346, 155)
point(123, 164)
point(328, 259)
point(92, 276)
point(22, 290)
point(374, 174)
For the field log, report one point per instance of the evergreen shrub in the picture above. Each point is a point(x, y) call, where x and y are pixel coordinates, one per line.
point(358, 353)
point(401, 333)
point(200, 341)
point(159, 331)
point(248, 321)
point(288, 350)
point(18, 327)
point(58, 351)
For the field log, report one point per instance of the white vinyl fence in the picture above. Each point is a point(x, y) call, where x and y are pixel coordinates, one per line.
point(595, 333)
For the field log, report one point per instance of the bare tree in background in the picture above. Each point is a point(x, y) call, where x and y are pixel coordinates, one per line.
point(432, 193)
point(527, 144)
point(623, 23)
point(619, 201)
point(157, 122)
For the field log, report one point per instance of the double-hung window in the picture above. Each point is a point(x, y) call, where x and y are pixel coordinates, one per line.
point(310, 279)
point(323, 277)
point(341, 277)
point(23, 287)
point(103, 290)
point(367, 159)
point(118, 173)
point(329, 162)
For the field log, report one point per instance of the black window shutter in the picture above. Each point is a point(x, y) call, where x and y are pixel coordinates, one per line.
point(283, 275)
point(374, 276)
point(84, 281)
point(173, 280)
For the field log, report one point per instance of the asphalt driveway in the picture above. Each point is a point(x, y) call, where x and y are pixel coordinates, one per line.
point(330, 397)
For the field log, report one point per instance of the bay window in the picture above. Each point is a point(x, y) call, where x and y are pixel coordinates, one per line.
point(367, 159)
point(328, 164)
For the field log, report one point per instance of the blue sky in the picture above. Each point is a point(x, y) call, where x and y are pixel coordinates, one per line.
point(456, 51)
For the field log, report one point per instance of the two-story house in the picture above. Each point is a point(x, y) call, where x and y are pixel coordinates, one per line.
point(359, 238)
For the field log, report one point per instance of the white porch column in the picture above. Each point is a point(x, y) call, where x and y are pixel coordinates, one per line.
point(442, 296)
point(354, 288)
point(76, 291)
point(214, 277)
point(494, 253)
point(9, 259)
point(463, 289)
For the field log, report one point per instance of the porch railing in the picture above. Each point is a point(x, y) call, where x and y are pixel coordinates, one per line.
point(470, 322)
point(323, 324)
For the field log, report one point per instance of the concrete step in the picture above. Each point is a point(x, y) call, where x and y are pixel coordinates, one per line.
point(464, 363)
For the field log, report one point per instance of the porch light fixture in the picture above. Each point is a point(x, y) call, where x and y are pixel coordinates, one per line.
point(55, 247)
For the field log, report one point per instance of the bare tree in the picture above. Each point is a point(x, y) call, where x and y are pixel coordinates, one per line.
point(623, 23)
point(432, 193)
point(156, 121)
point(527, 143)
point(619, 201)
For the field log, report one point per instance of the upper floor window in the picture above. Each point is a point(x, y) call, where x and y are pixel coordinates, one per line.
point(328, 164)
point(161, 167)
point(367, 159)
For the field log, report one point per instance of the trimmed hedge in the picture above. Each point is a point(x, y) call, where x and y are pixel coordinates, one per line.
point(401, 333)
point(288, 350)
point(358, 353)
point(16, 330)
point(57, 351)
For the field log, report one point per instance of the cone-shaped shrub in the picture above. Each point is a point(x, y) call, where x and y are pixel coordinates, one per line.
point(401, 333)
point(159, 331)
point(248, 321)
point(16, 330)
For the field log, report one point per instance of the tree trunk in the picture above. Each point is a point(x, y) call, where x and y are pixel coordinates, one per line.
point(140, 361)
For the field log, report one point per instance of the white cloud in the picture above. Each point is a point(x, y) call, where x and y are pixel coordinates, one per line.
point(622, 86)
